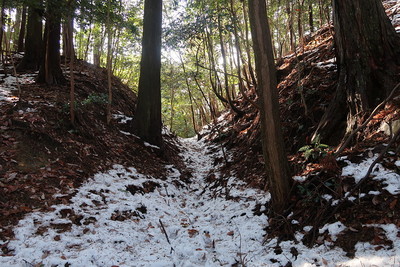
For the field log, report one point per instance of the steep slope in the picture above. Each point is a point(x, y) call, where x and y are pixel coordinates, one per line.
point(42, 154)
point(324, 189)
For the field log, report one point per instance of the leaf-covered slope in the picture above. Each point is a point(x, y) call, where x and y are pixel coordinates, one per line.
point(43, 157)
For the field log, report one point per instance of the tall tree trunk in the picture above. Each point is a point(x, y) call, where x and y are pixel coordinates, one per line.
point(33, 39)
point(2, 25)
point(311, 17)
point(16, 27)
point(216, 86)
point(68, 33)
point(96, 51)
point(50, 70)
point(190, 95)
point(109, 61)
point(368, 56)
point(273, 148)
point(248, 46)
point(292, 37)
point(300, 21)
point(21, 35)
point(147, 123)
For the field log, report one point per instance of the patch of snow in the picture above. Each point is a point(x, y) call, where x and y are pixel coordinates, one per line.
point(335, 202)
point(300, 179)
point(333, 229)
point(9, 88)
point(387, 177)
point(150, 145)
point(123, 119)
point(331, 63)
point(327, 197)
point(374, 193)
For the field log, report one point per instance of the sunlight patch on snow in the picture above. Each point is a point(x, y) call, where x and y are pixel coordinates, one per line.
point(9, 88)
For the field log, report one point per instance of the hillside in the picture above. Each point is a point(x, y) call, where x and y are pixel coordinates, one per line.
point(43, 158)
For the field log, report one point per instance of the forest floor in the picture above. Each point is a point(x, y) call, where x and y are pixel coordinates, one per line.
point(123, 218)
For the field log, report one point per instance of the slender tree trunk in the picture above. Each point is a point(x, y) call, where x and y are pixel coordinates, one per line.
point(292, 37)
point(171, 121)
point(368, 56)
point(216, 86)
point(321, 13)
point(224, 64)
point(273, 148)
point(71, 74)
point(21, 36)
point(190, 95)
point(17, 27)
point(86, 52)
point(2, 23)
point(311, 17)
point(300, 21)
point(248, 46)
point(147, 123)
point(238, 58)
point(109, 62)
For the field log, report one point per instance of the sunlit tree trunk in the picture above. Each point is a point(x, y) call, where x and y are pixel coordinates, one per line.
point(276, 163)
point(368, 56)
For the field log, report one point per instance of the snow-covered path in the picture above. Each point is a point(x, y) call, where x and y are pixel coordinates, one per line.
point(123, 218)
point(106, 224)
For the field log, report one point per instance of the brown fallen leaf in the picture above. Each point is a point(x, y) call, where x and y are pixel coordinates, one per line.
point(192, 232)
point(231, 233)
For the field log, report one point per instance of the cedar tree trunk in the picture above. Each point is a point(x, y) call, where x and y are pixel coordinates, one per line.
point(50, 69)
point(368, 57)
point(147, 122)
point(21, 35)
point(33, 40)
point(273, 148)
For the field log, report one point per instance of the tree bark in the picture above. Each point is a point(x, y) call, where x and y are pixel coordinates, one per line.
point(33, 39)
point(273, 148)
point(50, 70)
point(147, 123)
point(68, 36)
point(109, 61)
point(311, 17)
point(368, 57)
point(21, 35)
